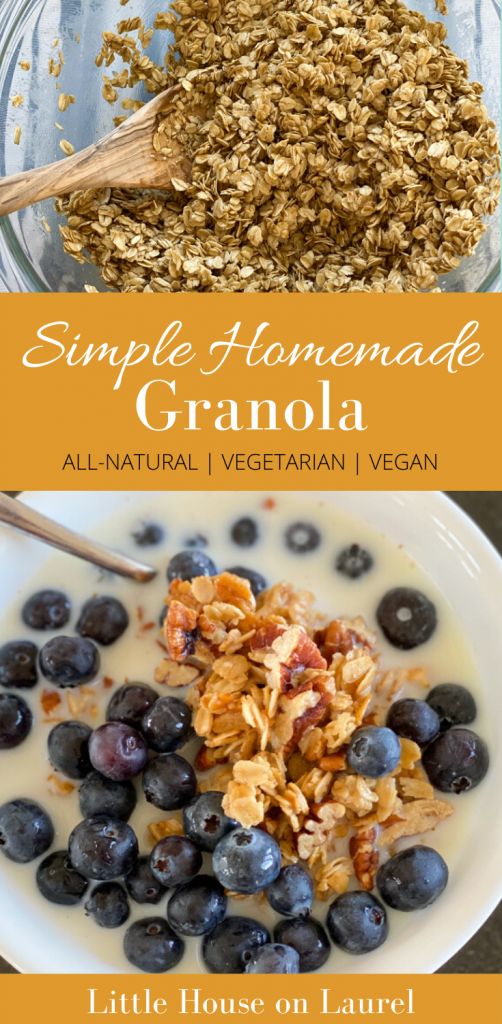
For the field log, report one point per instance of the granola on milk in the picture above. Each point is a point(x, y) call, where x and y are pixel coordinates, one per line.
point(279, 693)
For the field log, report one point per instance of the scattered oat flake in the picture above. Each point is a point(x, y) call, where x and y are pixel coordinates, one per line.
point(167, 827)
point(65, 100)
point(129, 25)
point(179, 185)
point(17, 135)
point(55, 67)
point(83, 702)
point(67, 147)
point(58, 786)
point(46, 226)
point(131, 104)
point(17, 100)
point(173, 674)
point(25, 65)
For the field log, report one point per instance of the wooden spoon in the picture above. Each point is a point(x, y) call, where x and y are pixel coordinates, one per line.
point(123, 159)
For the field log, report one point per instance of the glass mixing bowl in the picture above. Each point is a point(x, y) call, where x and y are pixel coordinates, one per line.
point(31, 255)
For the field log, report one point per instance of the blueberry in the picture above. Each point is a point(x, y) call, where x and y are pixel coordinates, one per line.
point(118, 751)
point(205, 822)
point(196, 540)
point(273, 958)
point(412, 879)
point(130, 702)
point(69, 660)
point(373, 751)
point(15, 720)
point(244, 532)
point(108, 905)
point(142, 885)
point(148, 535)
point(357, 922)
point(103, 619)
point(169, 782)
point(103, 848)
point(246, 860)
point(413, 719)
point(175, 860)
point(456, 761)
point(101, 796)
point(292, 892)
point(58, 881)
point(47, 609)
point(308, 937)
point(226, 949)
point(26, 831)
point(18, 664)
point(68, 746)
point(167, 725)
point(353, 562)
point(255, 579)
point(453, 704)
point(406, 617)
point(188, 564)
point(197, 907)
point(152, 946)
point(302, 538)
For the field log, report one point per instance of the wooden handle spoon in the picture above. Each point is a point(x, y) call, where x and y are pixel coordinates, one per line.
point(123, 159)
point(16, 514)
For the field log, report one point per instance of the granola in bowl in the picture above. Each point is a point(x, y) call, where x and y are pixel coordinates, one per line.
point(335, 147)
point(280, 695)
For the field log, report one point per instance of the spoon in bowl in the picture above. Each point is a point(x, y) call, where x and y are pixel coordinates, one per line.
point(125, 158)
point(14, 513)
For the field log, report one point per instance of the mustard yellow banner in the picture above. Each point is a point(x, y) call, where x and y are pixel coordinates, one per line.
point(423, 999)
point(250, 391)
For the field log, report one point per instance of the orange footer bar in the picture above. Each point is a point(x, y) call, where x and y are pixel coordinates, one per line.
point(80, 999)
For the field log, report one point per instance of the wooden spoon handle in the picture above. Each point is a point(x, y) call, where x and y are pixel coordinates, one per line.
point(123, 159)
point(16, 514)
point(21, 190)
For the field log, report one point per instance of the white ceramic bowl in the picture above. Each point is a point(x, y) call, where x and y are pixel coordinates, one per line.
point(468, 571)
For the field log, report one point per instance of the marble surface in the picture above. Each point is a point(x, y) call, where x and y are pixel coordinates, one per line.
point(483, 954)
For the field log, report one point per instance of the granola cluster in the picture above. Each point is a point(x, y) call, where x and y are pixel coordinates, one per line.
point(278, 695)
point(337, 145)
